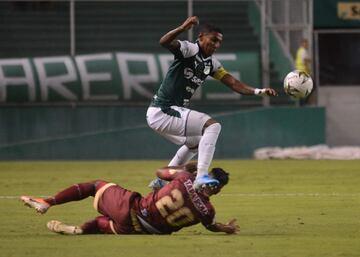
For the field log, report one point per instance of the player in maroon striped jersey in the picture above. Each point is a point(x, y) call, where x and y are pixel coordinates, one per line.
point(175, 206)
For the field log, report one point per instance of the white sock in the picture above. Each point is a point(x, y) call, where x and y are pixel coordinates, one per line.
point(207, 148)
point(182, 156)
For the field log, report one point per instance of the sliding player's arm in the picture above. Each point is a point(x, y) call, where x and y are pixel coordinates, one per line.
point(229, 228)
point(170, 172)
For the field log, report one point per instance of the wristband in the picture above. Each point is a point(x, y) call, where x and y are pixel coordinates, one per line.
point(260, 91)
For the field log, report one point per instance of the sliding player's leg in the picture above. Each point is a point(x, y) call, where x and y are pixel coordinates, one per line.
point(73, 193)
point(62, 228)
point(99, 225)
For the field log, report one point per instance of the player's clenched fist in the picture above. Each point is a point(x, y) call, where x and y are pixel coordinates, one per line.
point(190, 22)
point(270, 92)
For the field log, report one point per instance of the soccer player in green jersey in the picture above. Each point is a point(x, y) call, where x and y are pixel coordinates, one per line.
point(168, 114)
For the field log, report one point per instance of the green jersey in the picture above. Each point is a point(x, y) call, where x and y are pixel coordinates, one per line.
point(188, 71)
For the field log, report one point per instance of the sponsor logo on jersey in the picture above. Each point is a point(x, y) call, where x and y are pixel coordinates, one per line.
point(189, 74)
point(197, 81)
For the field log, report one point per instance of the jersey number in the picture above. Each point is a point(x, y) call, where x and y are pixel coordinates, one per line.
point(173, 211)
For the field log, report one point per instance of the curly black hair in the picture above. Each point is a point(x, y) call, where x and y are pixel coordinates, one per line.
point(207, 28)
point(221, 175)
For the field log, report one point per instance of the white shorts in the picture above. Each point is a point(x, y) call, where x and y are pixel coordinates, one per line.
point(178, 124)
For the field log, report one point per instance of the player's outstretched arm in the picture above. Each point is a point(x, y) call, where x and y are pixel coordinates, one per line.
point(229, 228)
point(169, 39)
point(245, 89)
point(170, 172)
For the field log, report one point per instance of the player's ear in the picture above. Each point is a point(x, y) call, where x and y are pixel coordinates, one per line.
point(216, 191)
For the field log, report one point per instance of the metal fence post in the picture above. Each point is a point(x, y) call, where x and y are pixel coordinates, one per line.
point(72, 28)
point(190, 11)
point(265, 52)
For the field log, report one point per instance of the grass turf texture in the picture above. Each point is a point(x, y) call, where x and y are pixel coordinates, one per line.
point(284, 208)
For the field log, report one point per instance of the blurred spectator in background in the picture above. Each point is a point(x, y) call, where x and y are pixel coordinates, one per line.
point(303, 61)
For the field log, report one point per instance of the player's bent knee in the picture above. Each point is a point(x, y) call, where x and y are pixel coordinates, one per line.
point(213, 128)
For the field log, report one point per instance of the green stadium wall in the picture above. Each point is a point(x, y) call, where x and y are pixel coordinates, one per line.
point(117, 132)
point(326, 14)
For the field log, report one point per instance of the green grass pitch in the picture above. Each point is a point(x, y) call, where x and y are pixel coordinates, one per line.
point(284, 208)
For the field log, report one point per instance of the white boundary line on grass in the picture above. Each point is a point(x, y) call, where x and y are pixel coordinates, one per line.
point(18, 196)
point(250, 195)
point(292, 194)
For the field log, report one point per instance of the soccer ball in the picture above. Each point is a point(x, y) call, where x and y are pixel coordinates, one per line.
point(298, 84)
